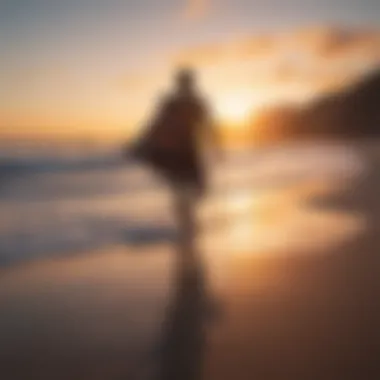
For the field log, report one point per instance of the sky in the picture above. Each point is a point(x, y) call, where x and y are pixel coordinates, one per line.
point(93, 65)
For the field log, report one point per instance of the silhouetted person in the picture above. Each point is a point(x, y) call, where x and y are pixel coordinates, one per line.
point(171, 143)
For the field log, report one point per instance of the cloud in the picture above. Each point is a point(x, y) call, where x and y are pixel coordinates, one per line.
point(335, 42)
point(300, 56)
point(291, 66)
point(238, 50)
point(317, 43)
point(195, 9)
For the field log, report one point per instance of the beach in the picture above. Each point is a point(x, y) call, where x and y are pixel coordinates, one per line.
point(284, 283)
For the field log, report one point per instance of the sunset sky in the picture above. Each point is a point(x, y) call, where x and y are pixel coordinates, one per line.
point(84, 65)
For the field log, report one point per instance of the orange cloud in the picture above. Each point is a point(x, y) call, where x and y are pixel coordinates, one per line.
point(295, 65)
point(284, 58)
point(334, 42)
point(234, 50)
point(318, 43)
point(195, 9)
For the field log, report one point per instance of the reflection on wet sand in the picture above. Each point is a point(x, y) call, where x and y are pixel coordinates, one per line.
point(184, 337)
point(183, 345)
point(282, 221)
point(308, 316)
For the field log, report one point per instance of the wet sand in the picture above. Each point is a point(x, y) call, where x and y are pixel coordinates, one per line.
point(308, 316)
point(300, 304)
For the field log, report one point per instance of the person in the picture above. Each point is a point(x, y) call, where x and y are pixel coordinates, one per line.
point(171, 143)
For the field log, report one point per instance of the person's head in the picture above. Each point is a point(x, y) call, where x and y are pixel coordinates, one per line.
point(185, 80)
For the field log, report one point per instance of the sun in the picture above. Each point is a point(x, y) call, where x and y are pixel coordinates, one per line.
point(235, 108)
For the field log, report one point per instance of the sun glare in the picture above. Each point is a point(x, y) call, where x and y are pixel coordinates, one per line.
point(235, 108)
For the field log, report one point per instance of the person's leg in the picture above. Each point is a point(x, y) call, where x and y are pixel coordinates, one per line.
point(199, 178)
point(184, 212)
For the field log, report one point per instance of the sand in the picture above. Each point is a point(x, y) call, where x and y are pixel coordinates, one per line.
point(270, 311)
